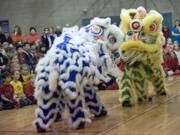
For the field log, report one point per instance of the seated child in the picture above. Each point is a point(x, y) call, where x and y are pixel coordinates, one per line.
point(3, 61)
point(22, 55)
point(177, 51)
point(7, 93)
point(1, 104)
point(41, 52)
point(29, 89)
point(18, 90)
point(25, 74)
point(168, 47)
point(3, 58)
point(14, 64)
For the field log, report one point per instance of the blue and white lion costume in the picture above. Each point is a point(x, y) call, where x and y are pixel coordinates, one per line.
point(69, 72)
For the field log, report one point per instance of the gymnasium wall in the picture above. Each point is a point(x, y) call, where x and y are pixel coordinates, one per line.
point(42, 13)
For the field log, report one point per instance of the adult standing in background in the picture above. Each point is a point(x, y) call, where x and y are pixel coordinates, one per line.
point(47, 39)
point(51, 31)
point(2, 36)
point(8, 38)
point(166, 32)
point(176, 32)
point(58, 31)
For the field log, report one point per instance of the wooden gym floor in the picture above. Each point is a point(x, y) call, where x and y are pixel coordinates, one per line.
point(160, 117)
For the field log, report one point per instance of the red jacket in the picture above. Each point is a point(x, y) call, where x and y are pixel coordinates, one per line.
point(29, 89)
point(7, 91)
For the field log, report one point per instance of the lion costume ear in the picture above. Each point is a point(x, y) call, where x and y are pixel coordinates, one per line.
point(152, 23)
point(126, 16)
point(101, 21)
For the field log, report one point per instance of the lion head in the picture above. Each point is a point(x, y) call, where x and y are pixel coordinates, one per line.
point(142, 33)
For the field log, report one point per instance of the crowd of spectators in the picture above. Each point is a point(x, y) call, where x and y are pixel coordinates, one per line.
point(19, 55)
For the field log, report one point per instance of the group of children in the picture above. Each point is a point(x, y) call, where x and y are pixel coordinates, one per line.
point(171, 57)
point(17, 89)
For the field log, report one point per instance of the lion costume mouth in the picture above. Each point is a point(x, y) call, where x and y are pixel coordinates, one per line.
point(139, 46)
point(130, 57)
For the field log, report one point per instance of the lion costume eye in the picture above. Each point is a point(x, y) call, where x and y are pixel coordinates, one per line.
point(142, 34)
point(129, 33)
point(152, 23)
point(112, 38)
point(153, 27)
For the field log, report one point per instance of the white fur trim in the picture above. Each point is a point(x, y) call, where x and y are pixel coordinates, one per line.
point(53, 79)
point(71, 95)
point(101, 22)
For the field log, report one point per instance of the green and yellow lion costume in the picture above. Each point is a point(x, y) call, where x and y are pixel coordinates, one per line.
point(141, 52)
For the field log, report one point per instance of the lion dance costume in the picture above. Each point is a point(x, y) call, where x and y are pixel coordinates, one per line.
point(141, 53)
point(69, 72)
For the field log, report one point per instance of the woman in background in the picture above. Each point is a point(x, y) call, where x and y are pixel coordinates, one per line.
point(17, 35)
point(176, 32)
point(33, 37)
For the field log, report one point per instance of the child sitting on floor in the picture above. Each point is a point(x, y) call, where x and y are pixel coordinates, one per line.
point(18, 90)
point(168, 47)
point(1, 104)
point(177, 51)
point(7, 93)
point(29, 89)
point(25, 74)
point(3, 62)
